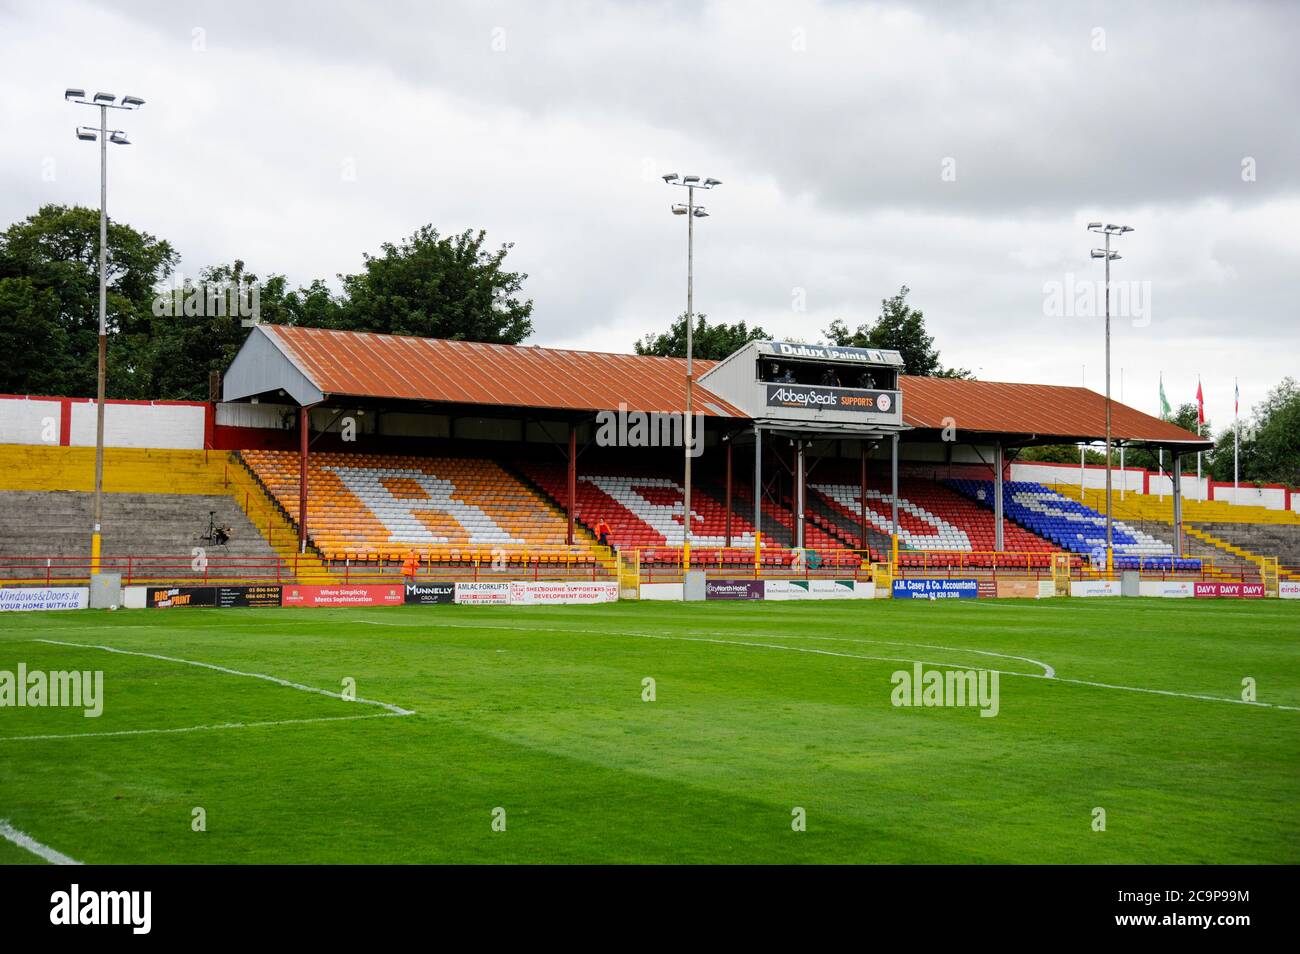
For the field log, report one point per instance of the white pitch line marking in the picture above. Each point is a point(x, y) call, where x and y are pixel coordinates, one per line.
point(1052, 677)
point(1027, 675)
point(1048, 671)
point(828, 652)
point(396, 710)
point(28, 843)
point(202, 728)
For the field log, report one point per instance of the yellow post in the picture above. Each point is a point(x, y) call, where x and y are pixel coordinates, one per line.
point(758, 550)
point(1110, 561)
point(686, 554)
point(893, 563)
point(94, 552)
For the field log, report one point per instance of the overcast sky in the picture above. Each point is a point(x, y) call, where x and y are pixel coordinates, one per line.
point(957, 149)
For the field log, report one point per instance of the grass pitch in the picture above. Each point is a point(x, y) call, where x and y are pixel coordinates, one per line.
point(760, 708)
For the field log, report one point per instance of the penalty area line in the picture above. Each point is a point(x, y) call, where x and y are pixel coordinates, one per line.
point(202, 728)
point(395, 710)
point(28, 843)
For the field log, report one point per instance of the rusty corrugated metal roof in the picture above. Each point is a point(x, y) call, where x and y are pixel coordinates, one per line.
point(1044, 410)
point(360, 364)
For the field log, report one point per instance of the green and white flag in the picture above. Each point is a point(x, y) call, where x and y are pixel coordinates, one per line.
point(1165, 412)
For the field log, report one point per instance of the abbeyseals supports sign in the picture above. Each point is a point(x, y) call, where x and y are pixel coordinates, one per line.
point(936, 589)
point(812, 397)
point(27, 599)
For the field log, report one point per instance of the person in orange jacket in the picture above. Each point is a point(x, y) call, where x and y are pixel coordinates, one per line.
point(602, 532)
point(411, 566)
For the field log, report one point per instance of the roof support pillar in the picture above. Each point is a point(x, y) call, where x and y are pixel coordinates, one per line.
point(573, 478)
point(727, 539)
point(893, 498)
point(1178, 505)
point(799, 491)
point(862, 503)
point(304, 427)
point(758, 490)
point(997, 496)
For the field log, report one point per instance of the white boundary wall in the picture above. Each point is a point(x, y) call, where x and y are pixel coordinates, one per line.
point(1274, 498)
point(29, 421)
point(163, 426)
point(171, 426)
point(1130, 479)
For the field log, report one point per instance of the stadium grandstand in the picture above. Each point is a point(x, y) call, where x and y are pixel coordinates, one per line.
point(337, 456)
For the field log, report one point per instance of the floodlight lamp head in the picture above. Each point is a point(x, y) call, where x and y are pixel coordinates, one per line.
point(105, 99)
point(74, 94)
point(672, 176)
point(690, 180)
point(86, 133)
point(712, 182)
point(118, 138)
point(134, 102)
point(1093, 226)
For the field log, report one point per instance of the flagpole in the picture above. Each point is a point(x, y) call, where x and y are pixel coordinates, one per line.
point(1200, 422)
point(1083, 380)
point(1161, 450)
point(1236, 437)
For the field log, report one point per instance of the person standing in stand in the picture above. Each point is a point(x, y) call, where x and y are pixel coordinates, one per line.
point(411, 566)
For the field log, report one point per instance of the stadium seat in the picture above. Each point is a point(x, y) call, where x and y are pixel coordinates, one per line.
point(377, 508)
point(1076, 527)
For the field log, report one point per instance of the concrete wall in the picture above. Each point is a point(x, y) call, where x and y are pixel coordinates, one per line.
point(173, 425)
point(30, 420)
point(1129, 479)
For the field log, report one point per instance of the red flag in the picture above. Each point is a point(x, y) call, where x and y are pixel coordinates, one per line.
point(1200, 403)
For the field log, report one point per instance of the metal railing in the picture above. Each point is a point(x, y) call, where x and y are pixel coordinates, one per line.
point(69, 571)
point(481, 563)
point(664, 565)
point(467, 564)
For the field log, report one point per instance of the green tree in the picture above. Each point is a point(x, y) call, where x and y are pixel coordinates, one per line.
point(57, 252)
point(710, 342)
point(1274, 448)
point(32, 339)
point(184, 349)
point(435, 286)
point(900, 328)
point(1185, 417)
